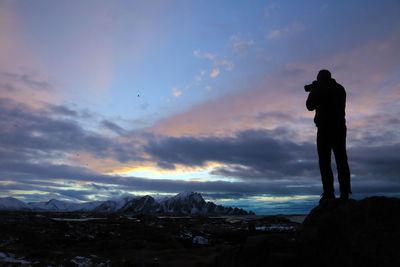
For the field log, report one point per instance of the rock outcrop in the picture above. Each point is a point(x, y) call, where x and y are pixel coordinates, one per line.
point(352, 233)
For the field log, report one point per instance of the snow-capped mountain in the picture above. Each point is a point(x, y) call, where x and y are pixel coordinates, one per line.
point(63, 206)
point(10, 203)
point(191, 203)
point(146, 204)
point(113, 205)
point(186, 203)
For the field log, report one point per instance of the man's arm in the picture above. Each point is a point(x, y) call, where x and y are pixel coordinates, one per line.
point(311, 102)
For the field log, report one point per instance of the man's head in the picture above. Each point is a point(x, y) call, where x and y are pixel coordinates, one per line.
point(324, 75)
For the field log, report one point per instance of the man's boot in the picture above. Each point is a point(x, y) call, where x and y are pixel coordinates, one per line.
point(344, 196)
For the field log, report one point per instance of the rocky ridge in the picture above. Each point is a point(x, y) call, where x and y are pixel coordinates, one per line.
point(183, 204)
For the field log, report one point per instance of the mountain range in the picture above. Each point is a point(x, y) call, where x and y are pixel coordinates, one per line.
point(185, 203)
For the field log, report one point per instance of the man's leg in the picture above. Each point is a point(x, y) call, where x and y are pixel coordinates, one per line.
point(324, 155)
point(339, 149)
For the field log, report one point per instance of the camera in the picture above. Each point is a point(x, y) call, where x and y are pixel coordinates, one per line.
point(309, 87)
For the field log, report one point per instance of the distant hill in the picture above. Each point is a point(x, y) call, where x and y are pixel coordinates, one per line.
point(10, 203)
point(185, 203)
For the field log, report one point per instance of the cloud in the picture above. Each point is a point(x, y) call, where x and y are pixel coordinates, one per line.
point(259, 155)
point(214, 73)
point(217, 62)
point(33, 147)
point(377, 162)
point(368, 72)
point(275, 115)
point(77, 182)
point(274, 34)
point(252, 154)
point(365, 132)
point(26, 87)
point(176, 92)
point(29, 132)
point(239, 109)
point(199, 77)
point(27, 80)
point(113, 127)
point(8, 87)
point(63, 110)
point(239, 45)
point(287, 31)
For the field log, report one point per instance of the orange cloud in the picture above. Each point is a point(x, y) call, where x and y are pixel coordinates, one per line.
point(100, 165)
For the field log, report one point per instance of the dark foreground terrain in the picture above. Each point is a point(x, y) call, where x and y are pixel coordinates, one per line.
point(354, 233)
point(86, 239)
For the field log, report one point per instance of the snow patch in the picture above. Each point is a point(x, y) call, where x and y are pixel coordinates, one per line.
point(81, 261)
point(77, 220)
point(276, 228)
point(200, 240)
point(10, 258)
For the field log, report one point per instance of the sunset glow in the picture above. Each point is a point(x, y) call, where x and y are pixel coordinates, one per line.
point(104, 98)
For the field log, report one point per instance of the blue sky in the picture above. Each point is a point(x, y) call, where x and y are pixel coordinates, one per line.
point(103, 98)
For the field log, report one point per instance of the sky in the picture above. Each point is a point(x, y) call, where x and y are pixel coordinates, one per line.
point(100, 99)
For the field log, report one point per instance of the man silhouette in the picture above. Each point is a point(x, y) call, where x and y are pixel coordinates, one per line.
point(328, 99)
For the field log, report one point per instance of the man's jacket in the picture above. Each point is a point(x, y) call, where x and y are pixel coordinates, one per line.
point(328, 99)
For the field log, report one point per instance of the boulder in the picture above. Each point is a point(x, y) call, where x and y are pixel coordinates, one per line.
point(352, 233)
